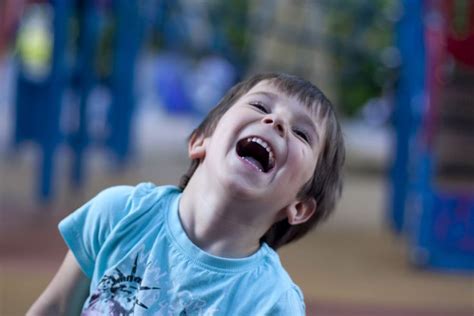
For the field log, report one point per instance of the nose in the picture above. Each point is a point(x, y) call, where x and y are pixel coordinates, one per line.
point(276, 123)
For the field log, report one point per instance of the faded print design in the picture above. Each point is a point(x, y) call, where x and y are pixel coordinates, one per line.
point(185, 304)
point(145, 290)
point(117, 294)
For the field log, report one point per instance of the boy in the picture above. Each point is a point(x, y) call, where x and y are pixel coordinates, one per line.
point(265, 168)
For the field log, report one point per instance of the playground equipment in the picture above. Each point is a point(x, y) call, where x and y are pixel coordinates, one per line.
point(432, 174)
point(40, 90)
point(39, 93)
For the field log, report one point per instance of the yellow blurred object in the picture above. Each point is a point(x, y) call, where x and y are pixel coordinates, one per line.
point(35, 42)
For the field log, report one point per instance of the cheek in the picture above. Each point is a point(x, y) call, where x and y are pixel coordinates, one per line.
point(303, 164)
point(226, 128)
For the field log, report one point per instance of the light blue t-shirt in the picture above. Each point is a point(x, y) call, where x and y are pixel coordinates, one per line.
point(130, 242)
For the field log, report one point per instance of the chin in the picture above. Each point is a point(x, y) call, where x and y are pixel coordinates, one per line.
point(242, 190)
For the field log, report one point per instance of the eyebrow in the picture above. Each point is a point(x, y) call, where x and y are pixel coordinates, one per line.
point(306, 118)
point(269, 95)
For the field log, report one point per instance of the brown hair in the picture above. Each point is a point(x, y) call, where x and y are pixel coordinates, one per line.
point(326, 184)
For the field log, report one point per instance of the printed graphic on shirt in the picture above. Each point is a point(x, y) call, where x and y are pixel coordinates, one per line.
point(117, 293)
point(143, 289)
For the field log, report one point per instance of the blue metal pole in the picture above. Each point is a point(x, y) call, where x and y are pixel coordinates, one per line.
point(128, 39)
point(50, 133)
point(85, 75)
point(409, 103)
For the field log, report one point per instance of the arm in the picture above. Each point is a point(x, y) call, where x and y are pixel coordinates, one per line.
point(84, 231)
point(66, 293)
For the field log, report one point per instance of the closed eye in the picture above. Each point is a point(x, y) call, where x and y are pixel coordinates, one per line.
point(303, 135)
point(260, 107)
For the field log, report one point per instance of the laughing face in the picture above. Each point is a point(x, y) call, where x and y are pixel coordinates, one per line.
point(264, 148)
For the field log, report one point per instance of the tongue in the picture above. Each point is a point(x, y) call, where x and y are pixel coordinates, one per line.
point(254, 162)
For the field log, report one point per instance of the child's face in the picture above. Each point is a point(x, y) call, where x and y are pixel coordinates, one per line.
point(264, 148)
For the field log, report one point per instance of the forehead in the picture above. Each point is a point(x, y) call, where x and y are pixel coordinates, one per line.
point(269, 89)
point(267, 86)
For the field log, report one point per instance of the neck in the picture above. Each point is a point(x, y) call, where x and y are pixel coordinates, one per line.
point(216, 223)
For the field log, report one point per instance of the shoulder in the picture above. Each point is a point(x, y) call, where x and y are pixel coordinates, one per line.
point(87, 229)
point(145, 195)
point(291, 302)
point(122, 193)
point(277, 268)
point(131, 198)
point(113, 204)
point(286, 298)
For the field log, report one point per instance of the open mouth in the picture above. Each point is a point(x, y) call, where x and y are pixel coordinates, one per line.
point(257, 152)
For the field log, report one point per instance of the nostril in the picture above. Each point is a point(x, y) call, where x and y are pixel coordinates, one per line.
point(277, 124)
point(280, 128)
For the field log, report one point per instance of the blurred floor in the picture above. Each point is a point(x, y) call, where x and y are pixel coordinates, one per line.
point(351, 265)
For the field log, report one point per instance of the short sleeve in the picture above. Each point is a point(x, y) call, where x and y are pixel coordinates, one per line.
point(290, 303)
point(86, 229)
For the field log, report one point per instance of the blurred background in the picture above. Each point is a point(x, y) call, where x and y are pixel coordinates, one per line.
point(96, 93)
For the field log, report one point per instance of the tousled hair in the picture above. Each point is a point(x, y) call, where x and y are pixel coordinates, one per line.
point(326, 184)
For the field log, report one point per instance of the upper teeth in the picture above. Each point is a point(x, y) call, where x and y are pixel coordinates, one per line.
point(271, 156)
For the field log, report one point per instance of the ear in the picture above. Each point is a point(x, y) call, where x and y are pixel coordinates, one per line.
point(196, 147)
point(299, 212)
